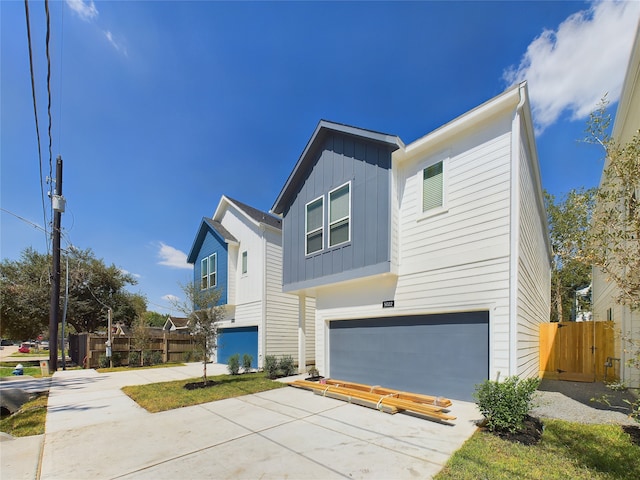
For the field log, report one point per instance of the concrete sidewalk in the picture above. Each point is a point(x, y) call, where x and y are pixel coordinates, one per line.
point(95, 431)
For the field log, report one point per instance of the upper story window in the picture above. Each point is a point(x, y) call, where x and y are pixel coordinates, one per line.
point(314, 226)
point(208, 270)
point(244, 262)
point(433, 187)
point(339, 215)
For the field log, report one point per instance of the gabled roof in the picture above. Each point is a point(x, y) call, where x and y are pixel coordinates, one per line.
point(256, 215)
point(209, 226)
point(179, 322)
point(306, 159)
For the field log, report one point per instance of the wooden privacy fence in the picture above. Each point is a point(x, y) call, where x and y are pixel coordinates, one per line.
point(578, 351)
point(86, 348)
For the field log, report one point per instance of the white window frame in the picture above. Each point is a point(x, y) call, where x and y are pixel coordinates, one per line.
point(444, 159)
point(347, 217)
point(205, 273)
point(245, 262)
point(321, 229)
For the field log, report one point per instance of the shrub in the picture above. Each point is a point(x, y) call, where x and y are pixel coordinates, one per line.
point(234, 364)
point(287, 366)
point(186, 356)
point(147, 357)
point(271, 366)
point(134, 359)
point(246, 362)
point(506, 404)
point(156, 357)
point(313, 372)
point(103, 361)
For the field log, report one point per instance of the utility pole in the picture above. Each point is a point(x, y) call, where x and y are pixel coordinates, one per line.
point(58, 203)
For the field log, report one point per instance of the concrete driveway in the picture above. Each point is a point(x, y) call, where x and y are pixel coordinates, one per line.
point(95, 431)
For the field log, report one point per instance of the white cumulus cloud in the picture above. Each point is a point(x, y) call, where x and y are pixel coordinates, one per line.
point(573, 67)
point(172, 257)
point(127, 272)
point(170, 298)
point(87, 11)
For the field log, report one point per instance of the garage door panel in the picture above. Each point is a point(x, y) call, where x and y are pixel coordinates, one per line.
point(442, 355)
point(239, 340)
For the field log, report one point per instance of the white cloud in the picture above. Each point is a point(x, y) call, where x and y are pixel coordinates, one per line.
point(170, 298)
point(172, 257)
point(572, 68)
point(117, 45)
point(127, 272)
point(87, 11)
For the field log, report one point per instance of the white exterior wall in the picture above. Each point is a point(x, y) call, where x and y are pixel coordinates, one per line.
point(455, 261)
point(534, 273)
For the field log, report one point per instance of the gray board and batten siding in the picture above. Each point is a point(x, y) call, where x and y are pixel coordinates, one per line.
point(336, 155)
point(442, 354)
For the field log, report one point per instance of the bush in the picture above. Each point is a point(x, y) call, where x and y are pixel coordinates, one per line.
point(506, 404)
point(134, 359)
point(313, 372)
point(156, 357)
point(271, 366)
point(147, 357)
point(186, 356)
point(234, 364)
point(103, 361)
point(246, 362)
point(287, 366)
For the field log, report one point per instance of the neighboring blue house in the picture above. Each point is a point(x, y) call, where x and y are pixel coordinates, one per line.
point(429, 263)
point(239, 251)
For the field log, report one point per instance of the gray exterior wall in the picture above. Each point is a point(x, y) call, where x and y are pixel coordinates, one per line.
point(338, 159)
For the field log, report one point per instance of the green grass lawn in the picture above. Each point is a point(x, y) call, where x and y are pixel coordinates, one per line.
point(128, 369)
point(29, 420)
point(157, 397)
point(567, 451)
point(32, 371)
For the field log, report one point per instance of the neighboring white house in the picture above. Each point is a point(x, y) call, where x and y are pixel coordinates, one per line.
point(430, 263)
point(625, 127)
point(176, 325)
point(239, 251)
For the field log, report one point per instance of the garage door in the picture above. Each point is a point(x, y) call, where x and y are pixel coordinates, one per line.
point(444, 355)
point(239, 340)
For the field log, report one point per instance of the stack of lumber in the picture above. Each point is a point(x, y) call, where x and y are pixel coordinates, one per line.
point(384, 399)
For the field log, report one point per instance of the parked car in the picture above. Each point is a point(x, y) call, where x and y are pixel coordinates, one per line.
point(24, 348)
point(6, 343)
point(44, 345)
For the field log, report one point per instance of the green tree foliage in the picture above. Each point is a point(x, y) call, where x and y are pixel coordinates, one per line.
point(568, 220)
point(614, 240)
point(26, 292)
point(202, 309)
point(141, 340)
point(154, 319)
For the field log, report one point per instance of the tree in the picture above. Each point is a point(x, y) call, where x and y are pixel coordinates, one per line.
point(155, 319)
point(26, 291)
point(141, 340)
point(614, 238)
point(202, 309)
point(568, 221)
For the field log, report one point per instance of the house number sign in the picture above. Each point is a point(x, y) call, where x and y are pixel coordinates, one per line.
point(388, 304)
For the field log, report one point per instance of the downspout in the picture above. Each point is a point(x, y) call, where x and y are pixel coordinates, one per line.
point(262, 334)
point(515, 232)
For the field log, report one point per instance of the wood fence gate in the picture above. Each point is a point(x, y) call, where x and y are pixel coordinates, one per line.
point(577, 351)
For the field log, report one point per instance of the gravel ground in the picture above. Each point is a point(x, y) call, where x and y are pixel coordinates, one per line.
point(572, 401)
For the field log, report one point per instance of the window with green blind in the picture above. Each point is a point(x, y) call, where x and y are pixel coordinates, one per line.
point(314, 226)
point(339, 215)
point(432, 187)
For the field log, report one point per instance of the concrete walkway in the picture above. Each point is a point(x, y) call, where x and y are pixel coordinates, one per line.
point(94, 430)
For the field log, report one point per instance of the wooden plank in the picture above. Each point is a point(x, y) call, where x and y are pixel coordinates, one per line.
point(431, 411)
point(414, 397)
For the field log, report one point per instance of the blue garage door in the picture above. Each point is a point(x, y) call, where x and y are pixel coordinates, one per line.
point(444, 355)
point(239, 340)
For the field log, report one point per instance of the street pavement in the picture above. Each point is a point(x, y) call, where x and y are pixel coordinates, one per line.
point(94, 430)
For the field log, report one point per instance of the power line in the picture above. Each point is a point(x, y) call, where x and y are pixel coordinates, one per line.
point(35, 114)
point(48, 35)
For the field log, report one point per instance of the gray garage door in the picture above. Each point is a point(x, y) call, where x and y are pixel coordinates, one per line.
point(444, 354)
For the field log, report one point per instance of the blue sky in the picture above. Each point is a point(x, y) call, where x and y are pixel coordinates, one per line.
point(159, 108)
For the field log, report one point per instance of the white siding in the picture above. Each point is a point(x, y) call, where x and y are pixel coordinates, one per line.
point(534, 273)
point(282, 308)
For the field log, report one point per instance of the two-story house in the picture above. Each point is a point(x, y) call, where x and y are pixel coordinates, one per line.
point(605, 291)
point(429, 262)
point(239, 252)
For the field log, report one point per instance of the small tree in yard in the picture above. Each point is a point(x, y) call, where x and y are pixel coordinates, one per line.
point(202, 309)
point(141, 339)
